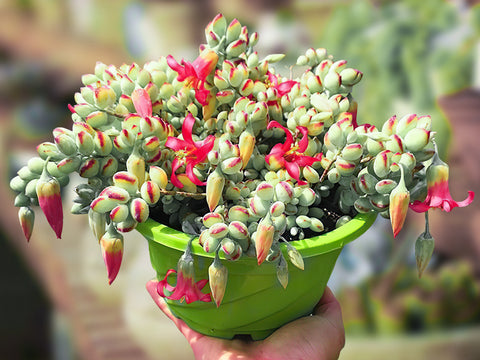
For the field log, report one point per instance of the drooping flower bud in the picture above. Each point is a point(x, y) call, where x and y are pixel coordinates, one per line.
point(111, 244)
point(217, 277)
point(399, 199)
point(282, 272)
point(50, 201)
point(295, 257)
point(26, 216)
point(424, 246)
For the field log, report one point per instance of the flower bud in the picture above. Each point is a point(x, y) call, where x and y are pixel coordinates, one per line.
point(139, 210)
point(295, 257)
point(111, 244)
point(217, 278)
point(282, 272)
point(26, 216)
point(424, 246)
point(50, 201)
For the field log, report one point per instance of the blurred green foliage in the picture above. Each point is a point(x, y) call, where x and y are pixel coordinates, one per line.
point(395, 44)
point(399, 302)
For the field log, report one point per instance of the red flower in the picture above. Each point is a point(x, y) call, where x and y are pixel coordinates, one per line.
point(195, 74)
point(283, 87)
point(186, 288)
point(438, 193)
point(290, 155)
point(189, 152)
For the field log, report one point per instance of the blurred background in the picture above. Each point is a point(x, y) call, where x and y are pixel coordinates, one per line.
point(416, 56)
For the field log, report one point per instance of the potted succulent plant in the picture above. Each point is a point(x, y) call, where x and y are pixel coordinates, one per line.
point(232, 172)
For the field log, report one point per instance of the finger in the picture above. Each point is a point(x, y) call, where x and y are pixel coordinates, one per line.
point(328, 304)
point(329, 308)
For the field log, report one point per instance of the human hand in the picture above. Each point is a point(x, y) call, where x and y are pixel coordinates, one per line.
point(320, 336)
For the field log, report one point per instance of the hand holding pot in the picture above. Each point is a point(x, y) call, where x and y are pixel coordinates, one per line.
point(320, 336)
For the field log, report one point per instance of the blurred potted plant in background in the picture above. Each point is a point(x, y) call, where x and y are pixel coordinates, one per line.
point(232, 172)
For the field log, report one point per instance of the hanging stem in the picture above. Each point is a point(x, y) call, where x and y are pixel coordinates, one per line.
point(427, 228)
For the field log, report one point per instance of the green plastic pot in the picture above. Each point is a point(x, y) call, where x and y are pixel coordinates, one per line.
point(255, 303)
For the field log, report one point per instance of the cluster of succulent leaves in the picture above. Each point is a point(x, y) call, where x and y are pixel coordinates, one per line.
point(244, 197)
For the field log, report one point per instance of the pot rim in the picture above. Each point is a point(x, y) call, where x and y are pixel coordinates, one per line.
point(332, 240)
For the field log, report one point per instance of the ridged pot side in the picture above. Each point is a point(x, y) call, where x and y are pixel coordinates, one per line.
point(254, 303)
